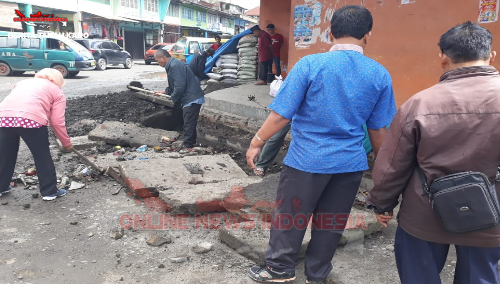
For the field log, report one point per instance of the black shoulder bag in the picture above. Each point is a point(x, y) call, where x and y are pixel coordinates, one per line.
point(465, 201)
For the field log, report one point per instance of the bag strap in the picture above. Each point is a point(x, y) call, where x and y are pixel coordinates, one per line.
point(425, 186)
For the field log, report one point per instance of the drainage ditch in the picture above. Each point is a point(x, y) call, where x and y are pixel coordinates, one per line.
point(85, 113)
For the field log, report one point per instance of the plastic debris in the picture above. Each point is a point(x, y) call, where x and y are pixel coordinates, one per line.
point(165, 139)
point(142, 159)
point(31, 172)
point(143, 148)
point(64, 181)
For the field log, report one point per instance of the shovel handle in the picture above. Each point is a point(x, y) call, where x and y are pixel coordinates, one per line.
point(88, 162)
point(147, 91)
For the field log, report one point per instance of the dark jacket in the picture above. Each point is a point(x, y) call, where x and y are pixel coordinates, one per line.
point(182, 84)
point(451, 127)
point(197, 64)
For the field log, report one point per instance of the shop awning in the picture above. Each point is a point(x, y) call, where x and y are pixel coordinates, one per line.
point(110, 17)
point(7, 16)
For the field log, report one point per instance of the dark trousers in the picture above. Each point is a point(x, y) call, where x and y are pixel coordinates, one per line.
point(421, 261)
point(326, 196)
point(277, 64)
point(190, 115)
point(272, 148)
point(37, 140)
point(265, 68)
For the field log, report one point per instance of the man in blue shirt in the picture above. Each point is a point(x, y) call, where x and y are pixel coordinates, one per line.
point(184, 89)
point(328, 97)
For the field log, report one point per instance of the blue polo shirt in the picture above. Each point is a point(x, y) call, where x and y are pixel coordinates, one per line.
point(329, 96)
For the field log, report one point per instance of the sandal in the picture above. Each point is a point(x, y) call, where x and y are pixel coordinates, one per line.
point(259, 172)
point(261, 83)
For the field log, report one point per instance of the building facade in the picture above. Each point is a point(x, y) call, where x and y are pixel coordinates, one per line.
point(404, 39)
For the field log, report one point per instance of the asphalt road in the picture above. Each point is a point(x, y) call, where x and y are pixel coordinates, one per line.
point(113, 79)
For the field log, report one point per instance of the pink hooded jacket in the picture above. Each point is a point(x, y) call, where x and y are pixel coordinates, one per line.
point(39, 100)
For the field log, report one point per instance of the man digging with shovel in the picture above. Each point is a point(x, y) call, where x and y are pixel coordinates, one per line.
point(183, 89)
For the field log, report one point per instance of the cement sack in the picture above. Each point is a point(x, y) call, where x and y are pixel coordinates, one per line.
point(247, 66)
point(248, 39)
point(275, 86)
point(229, 66)
point(229, 71)
point(214, 76)
point(217, 70)
point(246, 61)
point(246, 73)
point(247, 49)
point(213, 81)
point(203, 82)
point(218, 62)
point(249, 44)
point(229, 61)
point(248, 54)
point(230, 76)
point(230, 81)
point(229, 56)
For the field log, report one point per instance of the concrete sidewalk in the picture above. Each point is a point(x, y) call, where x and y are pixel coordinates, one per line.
point(232, 106)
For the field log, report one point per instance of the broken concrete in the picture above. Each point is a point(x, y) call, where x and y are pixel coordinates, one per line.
point(158, 241)
point(80, 143)
point(159, 100)
point(168, 177)
point(250, 239)
point(129, 134)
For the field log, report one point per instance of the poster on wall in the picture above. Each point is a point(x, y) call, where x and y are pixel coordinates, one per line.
point(305, 18)
point(488, 11)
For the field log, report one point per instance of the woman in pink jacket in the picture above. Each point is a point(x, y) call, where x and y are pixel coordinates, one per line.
point(26, 113)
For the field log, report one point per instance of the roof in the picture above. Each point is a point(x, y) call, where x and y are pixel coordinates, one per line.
point(253, 12)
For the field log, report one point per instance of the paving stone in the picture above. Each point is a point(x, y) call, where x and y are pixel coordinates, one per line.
point(129, 134)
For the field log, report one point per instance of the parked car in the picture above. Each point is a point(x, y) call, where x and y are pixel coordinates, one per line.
point(149, 56)
point(186, 47)
point(107, 53)
point(19, 54)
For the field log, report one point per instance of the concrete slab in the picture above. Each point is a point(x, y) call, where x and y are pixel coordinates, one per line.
point(129, 134)
point(235, 101)
point(171, 178)
point(80, 143)
point(252, 241)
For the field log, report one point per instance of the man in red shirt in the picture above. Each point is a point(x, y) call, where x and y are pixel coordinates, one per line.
point(217, 44)
point(278, 41)
point(265, 54)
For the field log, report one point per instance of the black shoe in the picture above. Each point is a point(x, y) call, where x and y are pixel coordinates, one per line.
point(266, 274)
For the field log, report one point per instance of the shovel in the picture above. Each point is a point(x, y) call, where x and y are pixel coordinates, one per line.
point(147, 91)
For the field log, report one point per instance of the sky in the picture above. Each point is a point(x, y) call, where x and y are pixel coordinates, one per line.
point(248, 4)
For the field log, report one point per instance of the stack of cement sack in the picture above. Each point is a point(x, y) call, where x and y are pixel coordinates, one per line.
point(225, 70)
point(229, 65)
point(247, 51)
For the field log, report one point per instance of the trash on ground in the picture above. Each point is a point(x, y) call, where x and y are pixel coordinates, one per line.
point(76, 185)
point(143, 148)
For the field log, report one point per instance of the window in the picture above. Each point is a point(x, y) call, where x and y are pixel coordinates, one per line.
point(30, 43)
point(230, 24)
point(178, 48)
point(223, 22)
point(151, 5)
point(156, 47)
point(194, 47)
point(114, 46)
point(130, 3)
point(187, 13)
point(201, 17)
point(106, 45)
point(8, 42)
point(173, 10)
point(212, 19)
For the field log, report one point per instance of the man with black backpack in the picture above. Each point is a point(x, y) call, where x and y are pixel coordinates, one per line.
point(441, 154)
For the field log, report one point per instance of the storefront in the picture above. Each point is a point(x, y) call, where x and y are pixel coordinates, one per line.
point(6, 18)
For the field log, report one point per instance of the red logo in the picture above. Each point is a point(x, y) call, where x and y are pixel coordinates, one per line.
point(38, 17)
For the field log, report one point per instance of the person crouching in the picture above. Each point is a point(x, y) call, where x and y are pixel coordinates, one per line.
point(26, 113)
